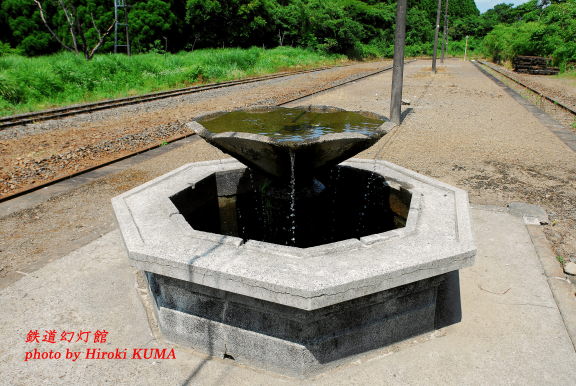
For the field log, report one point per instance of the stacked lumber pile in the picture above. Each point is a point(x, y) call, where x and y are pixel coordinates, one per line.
point(535, 65)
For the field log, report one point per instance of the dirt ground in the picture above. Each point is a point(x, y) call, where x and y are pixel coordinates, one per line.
point(459, 127)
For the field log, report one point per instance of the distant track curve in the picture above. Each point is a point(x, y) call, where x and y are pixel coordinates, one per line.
point(541, 94)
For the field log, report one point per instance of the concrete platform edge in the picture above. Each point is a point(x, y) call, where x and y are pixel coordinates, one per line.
point(562, 289)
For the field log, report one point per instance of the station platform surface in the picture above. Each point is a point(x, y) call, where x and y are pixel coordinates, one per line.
point(460, 128)
point(511, 332)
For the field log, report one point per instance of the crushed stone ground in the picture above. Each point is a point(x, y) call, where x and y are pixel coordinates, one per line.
point(460, 128)
point(463, 129)
point(559, 89)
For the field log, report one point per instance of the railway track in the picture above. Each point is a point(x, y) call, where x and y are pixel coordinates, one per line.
point(79, 109)
point(22, 119)
point(539, 93)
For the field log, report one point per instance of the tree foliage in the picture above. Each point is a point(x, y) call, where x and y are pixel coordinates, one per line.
point(353, 27)
point(153, 25)
point(82, 33)
point(357, 28)
point(547, 29)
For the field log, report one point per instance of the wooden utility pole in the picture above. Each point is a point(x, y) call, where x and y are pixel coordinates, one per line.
point(445, 39)
point(466, 47)
point(398, 64)
point(435, 50)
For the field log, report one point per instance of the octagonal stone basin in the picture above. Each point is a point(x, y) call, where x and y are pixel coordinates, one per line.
point(296, 310)
point(251, 206)
point(281, 141)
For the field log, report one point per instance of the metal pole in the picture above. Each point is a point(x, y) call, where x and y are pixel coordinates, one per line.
point(466, 47)
point(398, 64)
point(115, 26)
point(445, 39)
point(435, 50)
point(126, 27)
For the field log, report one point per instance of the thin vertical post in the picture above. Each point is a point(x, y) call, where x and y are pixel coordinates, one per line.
point(466, 47)
point(115, 26)
point(398, 64)
point(126, 27)
point(121, 6)
point(435, 50)
point(445, 39)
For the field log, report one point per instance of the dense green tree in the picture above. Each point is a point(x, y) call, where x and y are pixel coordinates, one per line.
point(531, 29)
point(24, 23)
point(75, 23)
point(345, 26)
point(231, 23)
point(5, 31)
point(333, 26)
point(358, 28)
point(152, 25)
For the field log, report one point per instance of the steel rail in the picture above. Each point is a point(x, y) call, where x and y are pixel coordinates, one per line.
point(541, 94)
point(343, 83)
point(22, 119)
point(176, 139)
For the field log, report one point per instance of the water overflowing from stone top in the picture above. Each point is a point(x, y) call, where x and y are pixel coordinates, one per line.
point(290, 153)
point(292, 124)
point(276, 140)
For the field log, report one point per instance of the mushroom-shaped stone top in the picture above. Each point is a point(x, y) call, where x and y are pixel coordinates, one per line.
point(281, 141)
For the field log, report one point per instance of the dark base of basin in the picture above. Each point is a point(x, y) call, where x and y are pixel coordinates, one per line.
point(293, 341)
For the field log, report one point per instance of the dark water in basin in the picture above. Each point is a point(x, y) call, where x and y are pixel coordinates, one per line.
point(292, 124)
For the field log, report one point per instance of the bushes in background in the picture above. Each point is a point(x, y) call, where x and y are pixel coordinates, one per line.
point(64, 78)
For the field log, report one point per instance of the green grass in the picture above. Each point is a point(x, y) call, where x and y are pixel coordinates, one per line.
point(29, 84)
point(571, 74)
